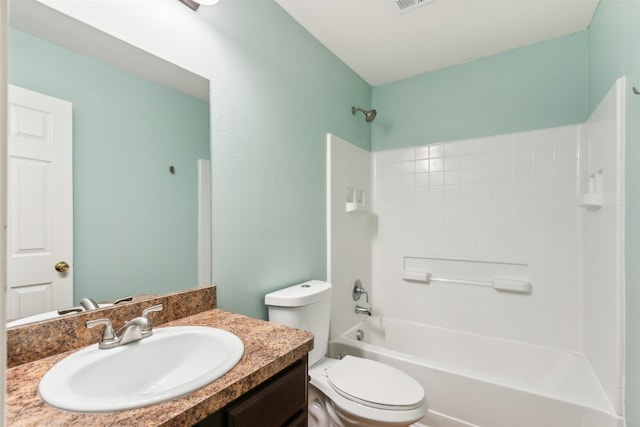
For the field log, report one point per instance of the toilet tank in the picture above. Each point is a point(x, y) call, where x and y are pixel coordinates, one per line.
point(305, 306)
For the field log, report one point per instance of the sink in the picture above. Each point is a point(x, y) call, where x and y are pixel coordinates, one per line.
point(170, 363)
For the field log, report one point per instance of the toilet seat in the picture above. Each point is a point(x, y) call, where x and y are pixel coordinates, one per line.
point(374, 384)
point(356, 407)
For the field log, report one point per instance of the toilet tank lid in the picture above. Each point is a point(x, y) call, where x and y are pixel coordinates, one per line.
point(299, 295)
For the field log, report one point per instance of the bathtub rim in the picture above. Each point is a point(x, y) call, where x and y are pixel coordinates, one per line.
point(606, 408)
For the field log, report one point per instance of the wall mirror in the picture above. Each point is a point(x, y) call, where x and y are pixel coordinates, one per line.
point(141, 150)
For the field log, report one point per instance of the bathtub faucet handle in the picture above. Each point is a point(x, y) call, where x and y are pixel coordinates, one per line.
point(358, 290)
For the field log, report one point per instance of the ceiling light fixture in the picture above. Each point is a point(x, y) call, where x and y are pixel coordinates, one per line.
point(194, 5)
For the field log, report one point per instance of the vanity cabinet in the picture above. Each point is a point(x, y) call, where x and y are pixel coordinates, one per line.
point(279, 402)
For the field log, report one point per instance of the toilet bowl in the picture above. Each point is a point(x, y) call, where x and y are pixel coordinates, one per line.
point(352, 391)
point(361, 392)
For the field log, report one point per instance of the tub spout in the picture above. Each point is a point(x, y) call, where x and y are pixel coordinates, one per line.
point(363, 310)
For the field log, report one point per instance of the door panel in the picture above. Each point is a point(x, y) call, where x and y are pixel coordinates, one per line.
point(40, 203)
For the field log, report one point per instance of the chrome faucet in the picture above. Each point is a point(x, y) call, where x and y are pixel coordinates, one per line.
point(87, 304)
point(356, 293)
point(363, 310)
point(134, 330)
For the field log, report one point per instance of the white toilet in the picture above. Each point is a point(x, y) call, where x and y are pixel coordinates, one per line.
point(352, 391)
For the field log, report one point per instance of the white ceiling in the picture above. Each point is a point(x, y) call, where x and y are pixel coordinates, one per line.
point(383, 45)
point(49, 24)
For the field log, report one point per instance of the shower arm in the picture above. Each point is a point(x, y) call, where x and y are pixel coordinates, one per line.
point(369, 115)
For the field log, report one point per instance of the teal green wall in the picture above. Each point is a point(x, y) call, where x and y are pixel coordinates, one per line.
point(276, 92)
point(614, 38)
point(134, 222)
point(538, 86)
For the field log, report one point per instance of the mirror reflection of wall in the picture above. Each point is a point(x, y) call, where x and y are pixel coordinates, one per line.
point(135, 222)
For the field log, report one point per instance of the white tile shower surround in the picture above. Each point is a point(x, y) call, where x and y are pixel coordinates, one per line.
point(508, 198)
point(512, 198)
point(603, 237)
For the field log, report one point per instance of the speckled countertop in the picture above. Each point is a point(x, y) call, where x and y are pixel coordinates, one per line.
point(269, 348)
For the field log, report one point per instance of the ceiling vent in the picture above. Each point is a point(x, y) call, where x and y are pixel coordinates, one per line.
point(405, 6)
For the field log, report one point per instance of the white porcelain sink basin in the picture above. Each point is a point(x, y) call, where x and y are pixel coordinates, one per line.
point(170, 363)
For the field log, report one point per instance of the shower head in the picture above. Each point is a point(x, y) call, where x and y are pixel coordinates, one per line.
point(368, 115)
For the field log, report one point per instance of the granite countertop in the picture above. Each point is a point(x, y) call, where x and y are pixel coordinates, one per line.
point(269, 348)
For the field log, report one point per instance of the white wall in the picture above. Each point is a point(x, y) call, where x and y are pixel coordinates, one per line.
point(603, 244)
point(349, 233)
point(482, 202)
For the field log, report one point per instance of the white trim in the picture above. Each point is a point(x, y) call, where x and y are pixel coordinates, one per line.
point(328, 183)
point(3, 203)
point(204, 222)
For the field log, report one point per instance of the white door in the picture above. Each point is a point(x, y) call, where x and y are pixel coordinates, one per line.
point(40, 204)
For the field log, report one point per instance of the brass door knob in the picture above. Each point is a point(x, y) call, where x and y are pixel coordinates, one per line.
point(62, 267)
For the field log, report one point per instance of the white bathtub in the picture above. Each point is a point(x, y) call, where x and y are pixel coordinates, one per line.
point(474, 380)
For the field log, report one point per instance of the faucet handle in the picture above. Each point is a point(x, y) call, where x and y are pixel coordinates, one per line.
point(70, 310)
point(145, 315)
point(152, 309)
point(358, 290)
point(146, 311)
point(109, 334)
point(125, 299)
